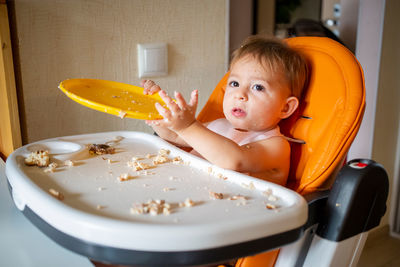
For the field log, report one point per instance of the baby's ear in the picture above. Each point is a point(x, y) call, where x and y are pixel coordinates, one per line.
point(291, 105)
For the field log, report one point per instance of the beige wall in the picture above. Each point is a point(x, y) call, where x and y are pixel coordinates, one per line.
point(97, 39)
point(240, 21)
point(266, 17)
point(387, 108)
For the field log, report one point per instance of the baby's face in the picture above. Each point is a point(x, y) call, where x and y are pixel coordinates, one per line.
point(254, 97)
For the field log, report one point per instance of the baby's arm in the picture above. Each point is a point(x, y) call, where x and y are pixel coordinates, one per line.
point(267, 159)
point(270, 157)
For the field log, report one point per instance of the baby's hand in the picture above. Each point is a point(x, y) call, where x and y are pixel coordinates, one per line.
point(150, 87)
point(179, 115)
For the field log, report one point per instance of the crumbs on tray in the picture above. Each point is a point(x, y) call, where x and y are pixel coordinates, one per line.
point(100, 149)
point(39, 158)
point(152, 207)
point(242, 200)
point(141, 164)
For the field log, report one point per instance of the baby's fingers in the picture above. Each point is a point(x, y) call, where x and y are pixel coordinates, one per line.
point(170, 103)
point(163, 111)
point(194, 99)
point(180, 101)
point(150, 87)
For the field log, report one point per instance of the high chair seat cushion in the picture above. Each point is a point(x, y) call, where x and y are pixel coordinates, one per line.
point(328, 117)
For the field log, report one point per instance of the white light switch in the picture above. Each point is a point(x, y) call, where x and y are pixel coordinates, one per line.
point(152, 59)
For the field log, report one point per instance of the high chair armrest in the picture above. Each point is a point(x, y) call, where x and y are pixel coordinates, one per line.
point(339, 219)
point(356, 202)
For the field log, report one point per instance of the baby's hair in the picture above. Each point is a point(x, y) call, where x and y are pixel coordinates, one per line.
point(276, 56)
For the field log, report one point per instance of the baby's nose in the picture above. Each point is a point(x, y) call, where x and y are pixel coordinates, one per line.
point(241, 96)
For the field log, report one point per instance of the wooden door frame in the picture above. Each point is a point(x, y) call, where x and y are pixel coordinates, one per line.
point(10, 130)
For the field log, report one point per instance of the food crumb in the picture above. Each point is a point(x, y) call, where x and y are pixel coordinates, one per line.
point(52, 167)
point(138, 166)
point(267, 192)
point(214, 195)
point(152, 207)
point(187, 203)
point(177, 160)
point(163, 152)
point(100, 188)
point(242, 200)
point(100, 149)
point(69, 163)
point(221, 176)
point(166, 211)
point(125, 177)
point(249, 186)
point(159, 159)
point(121, 114)
point(237, 197)
point(39, 158)
point(167, 189)
point(100, 207)
point(56, 194)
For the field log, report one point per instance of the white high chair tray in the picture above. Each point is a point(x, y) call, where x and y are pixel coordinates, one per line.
point(96, 206)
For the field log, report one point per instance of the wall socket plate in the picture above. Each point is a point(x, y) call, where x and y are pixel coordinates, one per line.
point(152, 60)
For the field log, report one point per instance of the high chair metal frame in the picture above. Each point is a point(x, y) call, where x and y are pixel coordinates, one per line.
point(343, 207)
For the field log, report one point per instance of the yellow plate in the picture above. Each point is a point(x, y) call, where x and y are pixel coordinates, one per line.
point(120, 99)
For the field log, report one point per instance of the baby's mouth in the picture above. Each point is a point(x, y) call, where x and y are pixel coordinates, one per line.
point(238, 112)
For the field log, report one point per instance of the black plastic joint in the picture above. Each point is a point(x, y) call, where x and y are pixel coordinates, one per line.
point(357, 201)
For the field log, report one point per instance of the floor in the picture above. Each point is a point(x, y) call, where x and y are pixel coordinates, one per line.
point(380, 250)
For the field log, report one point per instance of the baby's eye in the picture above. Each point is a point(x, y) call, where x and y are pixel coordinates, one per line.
point(258, 87)
point(234, 84)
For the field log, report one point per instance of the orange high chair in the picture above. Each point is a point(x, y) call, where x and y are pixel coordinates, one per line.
point(327, 121)
point(344, 202)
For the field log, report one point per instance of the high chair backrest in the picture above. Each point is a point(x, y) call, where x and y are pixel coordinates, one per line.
point(328, 117)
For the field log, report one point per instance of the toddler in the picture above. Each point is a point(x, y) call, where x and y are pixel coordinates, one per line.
point(266, 79)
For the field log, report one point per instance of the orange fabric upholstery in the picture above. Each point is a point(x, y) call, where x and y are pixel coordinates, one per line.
point(266, 259)
point(333, 106)
point(212, 110)
point(328, 118)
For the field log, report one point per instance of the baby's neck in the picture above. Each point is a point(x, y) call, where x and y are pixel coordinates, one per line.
point(241, 130)
point(263, 130)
